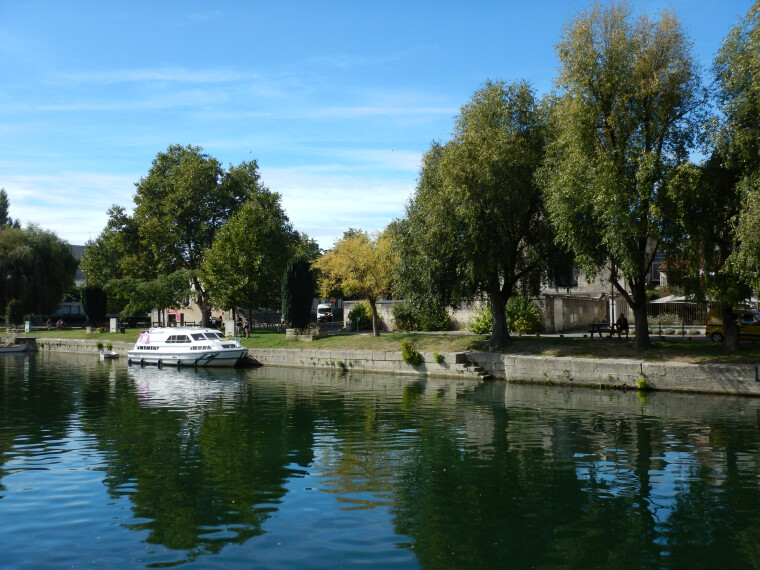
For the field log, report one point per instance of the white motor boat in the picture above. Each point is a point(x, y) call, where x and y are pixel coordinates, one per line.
point(185, 346)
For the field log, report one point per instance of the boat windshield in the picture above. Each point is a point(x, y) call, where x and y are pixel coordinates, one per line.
point(177, 338)
point(213, 335)
point(198, 336)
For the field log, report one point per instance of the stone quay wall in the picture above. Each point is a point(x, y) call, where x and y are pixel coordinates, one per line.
point(741, 379)
point(623, 373)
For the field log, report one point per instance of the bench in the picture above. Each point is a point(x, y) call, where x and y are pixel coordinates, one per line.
point(601, 328)
point(609, 328)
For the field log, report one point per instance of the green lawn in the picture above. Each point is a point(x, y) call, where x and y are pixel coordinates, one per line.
point(696, 350)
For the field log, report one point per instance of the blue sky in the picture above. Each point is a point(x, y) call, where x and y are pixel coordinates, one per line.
point(337, 101)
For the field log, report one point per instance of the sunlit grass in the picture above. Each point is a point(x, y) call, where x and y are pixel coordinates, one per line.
point(696, 350)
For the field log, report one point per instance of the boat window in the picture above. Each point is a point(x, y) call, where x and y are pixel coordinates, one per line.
point(177, 338)
point(198, 336)
point(214, 335)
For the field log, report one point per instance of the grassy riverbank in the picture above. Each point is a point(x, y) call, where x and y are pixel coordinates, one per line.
point(675, 349)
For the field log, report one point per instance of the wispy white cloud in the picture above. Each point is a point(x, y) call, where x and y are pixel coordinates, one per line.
point(324, 205)
point(167, 75)
point(191, 98)
point(204, 16)
point(72, 204)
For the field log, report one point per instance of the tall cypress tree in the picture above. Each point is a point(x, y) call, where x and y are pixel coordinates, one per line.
point(94, 301)
point(297, 292)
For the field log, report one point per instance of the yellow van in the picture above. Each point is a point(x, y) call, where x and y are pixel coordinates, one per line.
point(747, 319)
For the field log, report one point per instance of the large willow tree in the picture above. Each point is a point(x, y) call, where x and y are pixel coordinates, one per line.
point(476, 225)
point(737, 66)
point(37, 268)
point(628, 95)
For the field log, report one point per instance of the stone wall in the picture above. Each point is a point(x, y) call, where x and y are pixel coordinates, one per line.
point(559, 312)
point(622, 373)
point(451, 364)
point(460, 318)
point(571, 312)
point(740, 379)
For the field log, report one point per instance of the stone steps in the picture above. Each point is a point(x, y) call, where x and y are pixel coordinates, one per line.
point(473, 369)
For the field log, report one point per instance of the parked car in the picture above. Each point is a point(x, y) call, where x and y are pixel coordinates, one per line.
point(747, 319)
point(324, 313)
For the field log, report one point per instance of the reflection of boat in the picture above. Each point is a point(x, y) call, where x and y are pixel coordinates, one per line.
point(186, 389)
point(185, 346)
point(6, 348)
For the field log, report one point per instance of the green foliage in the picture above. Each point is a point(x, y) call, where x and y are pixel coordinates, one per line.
point(141, 295)
point(438, 357)
point(482, 321)
point(297, 292)
point(358, 265)
point(403, 316)
point(181, 204)
point(616, 171)
point(409, 316)
point(409, 354)
point(361, 314)
point(5, 219)
point(14, 314)
point(37, 268)
point(737, 143)
point(523, 316)
point(245, 264)
point(476, 223)
point(94, 300)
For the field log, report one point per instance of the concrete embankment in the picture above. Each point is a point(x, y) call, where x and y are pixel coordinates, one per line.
point(607, 373)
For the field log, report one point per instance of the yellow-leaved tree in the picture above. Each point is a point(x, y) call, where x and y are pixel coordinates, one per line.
point(358, 265)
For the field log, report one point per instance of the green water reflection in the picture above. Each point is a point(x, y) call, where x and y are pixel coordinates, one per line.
point(283, 467)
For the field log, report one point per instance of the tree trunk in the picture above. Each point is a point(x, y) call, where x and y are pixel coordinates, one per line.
point(499, 331)
point(205, 315)
point(639, 306)
point(373, 306)
point(730, 329)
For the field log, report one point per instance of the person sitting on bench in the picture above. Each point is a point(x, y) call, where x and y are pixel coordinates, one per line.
point(621, 325)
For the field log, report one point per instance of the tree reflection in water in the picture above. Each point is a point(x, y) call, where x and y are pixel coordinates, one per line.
point(407, 471)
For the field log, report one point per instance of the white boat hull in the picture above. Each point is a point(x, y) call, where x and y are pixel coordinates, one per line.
point(185, 346)
point(208, 358)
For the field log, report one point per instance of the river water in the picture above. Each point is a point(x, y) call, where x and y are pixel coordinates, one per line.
point(109, 466)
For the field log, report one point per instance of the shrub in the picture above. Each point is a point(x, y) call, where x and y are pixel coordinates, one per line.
point(403, 316)
point(664, 319)
point(482, 322)
point(14, 313)
point(409, 354)
point(362, 314)
point(421, 317)
point(438, 357)
point(523, 316)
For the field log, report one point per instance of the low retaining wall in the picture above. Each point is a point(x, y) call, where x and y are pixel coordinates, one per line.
point(623, 373)
point(452, 363)
point(79, 345)
point(742, 379)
